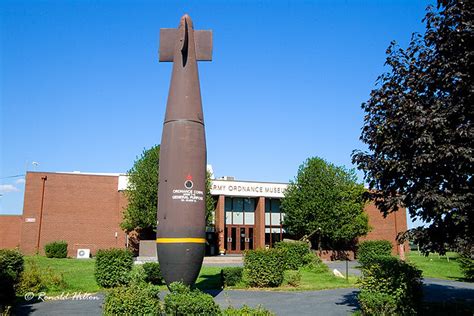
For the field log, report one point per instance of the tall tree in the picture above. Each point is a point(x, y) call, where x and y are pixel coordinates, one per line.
point(326, 199)
point(142, 193)
point(210, 202)
point(418, 128)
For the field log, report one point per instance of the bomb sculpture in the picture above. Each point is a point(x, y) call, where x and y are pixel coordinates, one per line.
point(180, 236)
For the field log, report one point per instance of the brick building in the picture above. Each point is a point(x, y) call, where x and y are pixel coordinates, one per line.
point(86, 211)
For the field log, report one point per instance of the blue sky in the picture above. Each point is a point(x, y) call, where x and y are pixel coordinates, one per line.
point(82, 89)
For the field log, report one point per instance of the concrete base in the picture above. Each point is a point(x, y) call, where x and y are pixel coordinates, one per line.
point(147, 248)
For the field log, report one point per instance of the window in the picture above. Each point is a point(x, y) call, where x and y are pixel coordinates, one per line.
point(240, 211)
point(273, 220)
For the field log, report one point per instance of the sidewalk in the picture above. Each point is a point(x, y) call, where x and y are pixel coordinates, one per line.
point(225, 260)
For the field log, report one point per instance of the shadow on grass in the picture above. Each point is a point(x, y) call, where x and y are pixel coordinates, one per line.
point(210, 283)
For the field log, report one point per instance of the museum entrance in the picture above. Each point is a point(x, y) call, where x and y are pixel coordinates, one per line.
point(238, 238)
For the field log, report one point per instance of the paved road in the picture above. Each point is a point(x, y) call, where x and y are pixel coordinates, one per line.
point(353, 267)
point(328, 302)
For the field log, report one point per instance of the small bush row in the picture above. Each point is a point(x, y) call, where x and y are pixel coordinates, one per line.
point(34, 279)
point(292, 278)
point(112, 267)
point(371, 248)
point(143, 299)
point(246, 311)
point(135, 299)
point(467, 267)
point(390, 286)
point(231, 276)
point(11, 268)
point(153, 273)
point(56, 249)
point(183, 301)
point(297, 254)
point(264, 268)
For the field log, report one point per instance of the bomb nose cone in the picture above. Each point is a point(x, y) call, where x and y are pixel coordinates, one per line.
point(186, 18)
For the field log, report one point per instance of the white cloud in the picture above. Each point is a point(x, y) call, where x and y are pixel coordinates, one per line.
point(20, 181)
point(5, 188)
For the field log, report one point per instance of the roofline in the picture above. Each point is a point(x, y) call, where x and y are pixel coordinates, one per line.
point(80, 173)
point(111, 174)
point(248, 181)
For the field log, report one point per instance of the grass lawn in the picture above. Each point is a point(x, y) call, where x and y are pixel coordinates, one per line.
point(78, 276)
point(209, 278)
point(323, 281)
point(435, 266)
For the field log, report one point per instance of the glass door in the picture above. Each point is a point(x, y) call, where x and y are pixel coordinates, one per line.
point(238, 238)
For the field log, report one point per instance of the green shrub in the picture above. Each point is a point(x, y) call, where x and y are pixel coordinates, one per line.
point(292, 277)
point(112, 267)
point(377, 304)
point(56, 249)
point(231, 276)
point(11, 267)
point(394, 278)
point(314, 263)
point(153, 273)
point(370, 248)
point(246, 311)
point(137, 275)
point(295, 253)
point(34, 279)
point(183, 301)
point(264, 268)
point(134, 299)
point(467, 267)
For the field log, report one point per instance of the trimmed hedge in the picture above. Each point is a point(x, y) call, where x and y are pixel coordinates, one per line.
point(137, 275)
point(292, 277)
point(314, 263)
point(295, 253)
point(264, 268)
point(246, 311)
point(377, 304)
point(231, 276)
point(56, 249)
point(467, 267)
point(183, 301)
point(112, 267)
point(389, 283)
point(153, 273)
point(370, 248)
point(33, 279)
point(134, 299)
point(11, 268)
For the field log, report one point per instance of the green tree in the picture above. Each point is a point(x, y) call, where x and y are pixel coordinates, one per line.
point(327, 199)
point(419, 132)
point(142, 193)
point(210, 202)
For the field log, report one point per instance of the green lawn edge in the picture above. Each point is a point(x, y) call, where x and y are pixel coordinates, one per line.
point(78, 277)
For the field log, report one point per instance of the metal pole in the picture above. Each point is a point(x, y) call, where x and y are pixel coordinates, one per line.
point(41, 214)
point(347, 270)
